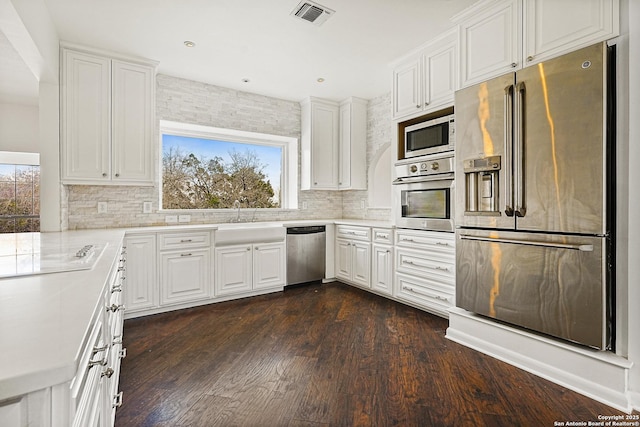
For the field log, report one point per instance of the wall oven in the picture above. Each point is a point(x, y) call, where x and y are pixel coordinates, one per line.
point(424, 194)
point(430, 137)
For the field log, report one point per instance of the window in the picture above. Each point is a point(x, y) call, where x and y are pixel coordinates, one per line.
point(19, 192)
point(212, 168)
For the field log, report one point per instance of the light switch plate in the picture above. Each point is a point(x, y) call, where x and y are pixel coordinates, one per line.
point(102, 207)
point(184, 218)
point(171, 219)
point(146, 207)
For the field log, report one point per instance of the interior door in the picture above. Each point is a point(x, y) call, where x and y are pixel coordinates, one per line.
point(563, 143)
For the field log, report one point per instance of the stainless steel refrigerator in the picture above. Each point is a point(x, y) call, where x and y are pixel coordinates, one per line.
point(534, 216)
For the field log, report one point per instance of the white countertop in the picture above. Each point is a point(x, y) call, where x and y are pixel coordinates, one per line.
point(288, 223)
point(44, 318)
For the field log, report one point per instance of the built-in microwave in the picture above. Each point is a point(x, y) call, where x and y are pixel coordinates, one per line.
point(430, 137)
point(424, 194)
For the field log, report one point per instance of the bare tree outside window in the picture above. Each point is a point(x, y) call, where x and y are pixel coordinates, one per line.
point(194, 177)
point(19, 198)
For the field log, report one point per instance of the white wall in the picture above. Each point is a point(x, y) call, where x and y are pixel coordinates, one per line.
point(19, 128)
point(28, 26)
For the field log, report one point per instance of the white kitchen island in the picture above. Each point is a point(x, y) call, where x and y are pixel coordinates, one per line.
point(48, 325)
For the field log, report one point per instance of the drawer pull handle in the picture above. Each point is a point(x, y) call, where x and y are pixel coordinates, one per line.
point(114, 307)
point(425, 294)
point(117, 400)
point(116, 289)
point(189, 254)
point(99, 349)
point(100, 362)
point(107, 373)
point(437, 267)
point(186, 241)
point(123, 353)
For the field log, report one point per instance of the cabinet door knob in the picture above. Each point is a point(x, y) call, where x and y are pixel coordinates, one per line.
point(117, 175)
point(514, 64)
point(104, 174)
point(108, 373)
point(418, 106)
point(426, 104)
point(530, 58)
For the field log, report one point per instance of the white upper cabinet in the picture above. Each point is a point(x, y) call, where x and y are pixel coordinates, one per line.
point(333, 144)
point(107, 120)
point(490, 40)
point(352, 173)
point(319, 144)
point(425, 80)
point(553, 27)
point(497, 36)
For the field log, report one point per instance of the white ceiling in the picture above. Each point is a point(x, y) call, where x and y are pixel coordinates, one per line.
point(259, 40)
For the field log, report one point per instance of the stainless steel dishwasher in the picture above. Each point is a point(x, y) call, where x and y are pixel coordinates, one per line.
point(306, 254)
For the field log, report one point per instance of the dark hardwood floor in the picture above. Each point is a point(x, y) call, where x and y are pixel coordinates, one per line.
point(325, 355)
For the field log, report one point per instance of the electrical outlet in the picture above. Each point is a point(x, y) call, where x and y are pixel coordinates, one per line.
point(171, 219)
point(184, 218)
point(362, 203)
point(102, 207)
point(304, 205)
point(146, 207)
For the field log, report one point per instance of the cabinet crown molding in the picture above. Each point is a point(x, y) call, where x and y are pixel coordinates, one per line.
point(110, 54)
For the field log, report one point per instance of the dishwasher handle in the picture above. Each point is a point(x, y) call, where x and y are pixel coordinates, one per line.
point(311, 229)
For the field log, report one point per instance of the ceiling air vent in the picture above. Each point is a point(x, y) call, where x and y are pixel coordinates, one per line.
point(312, 12)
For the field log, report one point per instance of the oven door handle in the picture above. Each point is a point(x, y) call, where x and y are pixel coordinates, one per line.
point(409, 180)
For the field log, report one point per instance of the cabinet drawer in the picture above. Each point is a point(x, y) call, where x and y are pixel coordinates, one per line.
point(436, 266)
point(383, 235)
point(434, 241)
point(425, 293)
point(185, 240)
point(353, 232)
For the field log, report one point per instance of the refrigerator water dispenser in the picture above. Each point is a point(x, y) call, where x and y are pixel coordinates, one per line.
point(481, 185)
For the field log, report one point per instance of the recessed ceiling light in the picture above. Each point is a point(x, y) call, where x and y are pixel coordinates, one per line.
point(189, 43)
point(320, 80)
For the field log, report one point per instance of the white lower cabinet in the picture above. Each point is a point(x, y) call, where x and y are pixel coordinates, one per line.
point(425, 269)
point(141, 291)
point(247, 267)
point(184, 275)
point(234, 272)
point(269, 265)
point(382, 261)
point(353, 255)
point(185, 266)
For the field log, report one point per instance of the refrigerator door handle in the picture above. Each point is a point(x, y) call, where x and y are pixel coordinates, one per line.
point(518, 150)
point(578, 247)
point(508, 144)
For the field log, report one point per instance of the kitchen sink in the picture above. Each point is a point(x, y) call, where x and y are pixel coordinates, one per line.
point(249, 232)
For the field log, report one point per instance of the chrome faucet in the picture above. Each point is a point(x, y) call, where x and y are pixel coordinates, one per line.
point(236, 205)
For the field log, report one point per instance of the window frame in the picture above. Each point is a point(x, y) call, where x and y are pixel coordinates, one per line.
point(16, 158)
point(289, 145)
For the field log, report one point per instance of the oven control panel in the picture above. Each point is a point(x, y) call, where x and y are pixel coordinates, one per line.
point(425, 166)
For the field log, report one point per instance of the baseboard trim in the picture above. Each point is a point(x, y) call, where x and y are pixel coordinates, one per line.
point(599, 375)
